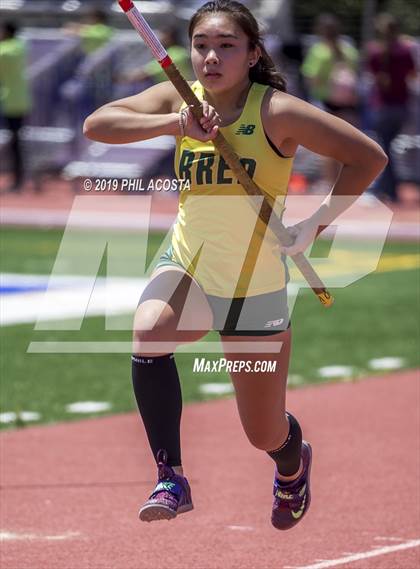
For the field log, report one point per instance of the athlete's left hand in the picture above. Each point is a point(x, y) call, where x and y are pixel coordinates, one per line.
point(304, 233)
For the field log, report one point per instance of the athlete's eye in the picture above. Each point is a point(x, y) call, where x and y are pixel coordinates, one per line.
point(199, 46)
point(226, 45)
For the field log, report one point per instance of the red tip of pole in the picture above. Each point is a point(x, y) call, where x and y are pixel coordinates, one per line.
point(126, 5)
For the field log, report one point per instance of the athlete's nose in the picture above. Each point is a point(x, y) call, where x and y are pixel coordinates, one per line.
point(212, 57)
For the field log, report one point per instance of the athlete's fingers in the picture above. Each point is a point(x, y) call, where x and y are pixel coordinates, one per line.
point(213, 133)
point(212, 121)
point(293, 231)
point(300, 244)
point(208, 125)
point(209, 117)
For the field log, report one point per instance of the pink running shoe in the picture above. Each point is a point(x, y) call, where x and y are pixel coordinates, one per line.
point(292, 499)
point(172, 495)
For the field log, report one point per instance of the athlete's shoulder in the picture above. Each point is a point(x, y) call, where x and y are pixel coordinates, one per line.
point(278, 104)
point(281, 105)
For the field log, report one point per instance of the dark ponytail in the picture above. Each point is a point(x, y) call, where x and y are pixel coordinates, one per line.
point(264, 71)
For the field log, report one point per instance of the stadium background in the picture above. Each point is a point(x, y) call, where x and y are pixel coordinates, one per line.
point(69, 487)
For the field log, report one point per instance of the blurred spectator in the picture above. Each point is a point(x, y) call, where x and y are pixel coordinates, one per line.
point(169, 38)
point(15, 100)
point(94, 31)
point(330, 68)
point(391, 64)
point(291, 54)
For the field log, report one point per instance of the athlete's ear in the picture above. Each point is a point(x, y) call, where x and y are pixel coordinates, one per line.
point(255, 55)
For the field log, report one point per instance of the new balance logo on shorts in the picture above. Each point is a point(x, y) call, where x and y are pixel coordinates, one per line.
point(247, 129)
point(272, 323)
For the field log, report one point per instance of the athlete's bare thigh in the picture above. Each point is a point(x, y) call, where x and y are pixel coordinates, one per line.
point(173, 310)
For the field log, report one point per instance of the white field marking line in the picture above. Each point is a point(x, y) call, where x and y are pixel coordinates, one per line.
point(324, 564)
point(386, 363)
point(25, 416)
point(9, 536)
point(112, 296)
point(336, 371)
point(88, 407)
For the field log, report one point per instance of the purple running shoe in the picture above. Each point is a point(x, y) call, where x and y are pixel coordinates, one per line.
point(172, 495)
point(292, 499)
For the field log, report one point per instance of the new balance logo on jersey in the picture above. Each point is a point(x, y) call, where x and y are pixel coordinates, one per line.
point(247, 129)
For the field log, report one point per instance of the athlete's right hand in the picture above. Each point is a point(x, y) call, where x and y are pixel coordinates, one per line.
point(207, 128)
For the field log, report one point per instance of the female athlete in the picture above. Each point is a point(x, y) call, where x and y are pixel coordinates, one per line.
point(223, 270)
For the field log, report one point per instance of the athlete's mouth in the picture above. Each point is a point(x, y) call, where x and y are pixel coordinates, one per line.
point(213, 74)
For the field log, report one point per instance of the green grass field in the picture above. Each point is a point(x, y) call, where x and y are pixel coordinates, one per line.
point(376, 317)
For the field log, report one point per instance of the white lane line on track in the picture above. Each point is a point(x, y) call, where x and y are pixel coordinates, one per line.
point(216, 388)
point(10, 536)
point(325, 563)
point(381, 538)
point(241, 528)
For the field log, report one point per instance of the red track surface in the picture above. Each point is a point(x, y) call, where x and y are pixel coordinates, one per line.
point(88, 479)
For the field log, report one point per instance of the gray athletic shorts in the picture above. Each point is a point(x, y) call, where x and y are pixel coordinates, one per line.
point(261, 315)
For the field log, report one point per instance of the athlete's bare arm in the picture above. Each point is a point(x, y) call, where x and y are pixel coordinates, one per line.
point(293, 122)
point(290, 122)
point(154, 112)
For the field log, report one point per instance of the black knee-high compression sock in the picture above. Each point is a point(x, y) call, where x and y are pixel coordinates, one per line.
point(287, 457)
point(159, 399)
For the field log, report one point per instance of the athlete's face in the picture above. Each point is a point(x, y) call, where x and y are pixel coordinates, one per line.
point(220, 53)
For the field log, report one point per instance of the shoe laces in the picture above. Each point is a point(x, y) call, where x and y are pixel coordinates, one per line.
point(291, 494)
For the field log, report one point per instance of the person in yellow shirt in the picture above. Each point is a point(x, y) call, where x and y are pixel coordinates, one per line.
point(221, 271)
point(330, 71)
point(330, 68)
point(94, 31)
point(15, 96)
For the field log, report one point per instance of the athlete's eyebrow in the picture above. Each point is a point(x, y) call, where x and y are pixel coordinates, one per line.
point(218, 36)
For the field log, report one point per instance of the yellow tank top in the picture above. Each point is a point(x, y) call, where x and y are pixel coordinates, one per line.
point(218, 237)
